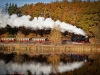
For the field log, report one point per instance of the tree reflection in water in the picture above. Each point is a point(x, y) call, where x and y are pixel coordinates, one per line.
point(54, 60)
point(18, 59)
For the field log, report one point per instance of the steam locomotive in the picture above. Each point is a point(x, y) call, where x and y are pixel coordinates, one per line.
point(80, 39)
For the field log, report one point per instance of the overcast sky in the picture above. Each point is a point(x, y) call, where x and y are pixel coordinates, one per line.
point(22, 2)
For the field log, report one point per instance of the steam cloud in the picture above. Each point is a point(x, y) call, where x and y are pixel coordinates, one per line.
point(37, 68)
point(36, 23)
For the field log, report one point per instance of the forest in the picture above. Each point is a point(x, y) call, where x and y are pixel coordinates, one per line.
point(83, 14)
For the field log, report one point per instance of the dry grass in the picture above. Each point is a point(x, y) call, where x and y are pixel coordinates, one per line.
point(32, 49)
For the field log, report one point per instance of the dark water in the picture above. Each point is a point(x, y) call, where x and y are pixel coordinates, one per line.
point(39, 65)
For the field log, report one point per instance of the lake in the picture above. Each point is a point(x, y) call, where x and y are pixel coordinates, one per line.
point(40, 64)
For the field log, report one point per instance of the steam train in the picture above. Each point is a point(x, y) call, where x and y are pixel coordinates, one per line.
point(77, 39)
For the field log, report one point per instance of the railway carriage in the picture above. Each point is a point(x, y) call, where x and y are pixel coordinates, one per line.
point(7, 39)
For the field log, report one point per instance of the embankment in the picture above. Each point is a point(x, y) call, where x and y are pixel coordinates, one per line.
point(36, 49)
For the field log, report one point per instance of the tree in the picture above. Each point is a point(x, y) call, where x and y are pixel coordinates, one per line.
point(6, 7)
point(97, 35)
point(74, 0)
point(55, 35)
point(12, 8)
point(65, 0)
point(20, 35)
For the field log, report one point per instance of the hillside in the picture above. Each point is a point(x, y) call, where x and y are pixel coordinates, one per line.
point(85, 15)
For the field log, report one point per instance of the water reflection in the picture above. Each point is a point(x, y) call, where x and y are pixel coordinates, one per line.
point(35, 67)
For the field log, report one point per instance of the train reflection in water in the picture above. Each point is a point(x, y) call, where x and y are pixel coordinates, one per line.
point(13, 64)
point(78, 57)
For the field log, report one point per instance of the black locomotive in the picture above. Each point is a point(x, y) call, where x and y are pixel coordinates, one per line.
point(80, 39)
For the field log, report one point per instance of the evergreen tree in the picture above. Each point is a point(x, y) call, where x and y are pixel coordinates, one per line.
point(6, 7)
point(12, 8)
point(65, 0)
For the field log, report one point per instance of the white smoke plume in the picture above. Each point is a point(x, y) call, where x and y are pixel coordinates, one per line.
point(69, 66)
point(37, 68)
point(36, 23)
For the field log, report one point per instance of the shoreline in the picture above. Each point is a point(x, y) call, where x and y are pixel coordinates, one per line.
point(39, 49)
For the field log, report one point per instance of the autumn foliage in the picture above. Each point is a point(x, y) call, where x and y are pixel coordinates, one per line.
point(83, 14)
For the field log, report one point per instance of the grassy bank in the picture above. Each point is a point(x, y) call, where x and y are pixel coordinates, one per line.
point(36, 49)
